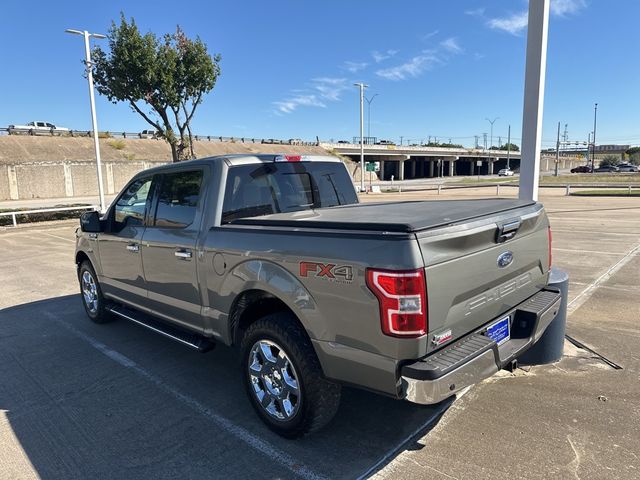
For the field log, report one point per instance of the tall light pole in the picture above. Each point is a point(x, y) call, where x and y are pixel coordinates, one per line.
point(595, 121)
point(92, 100)
point(491, 122)
point(369, 100)
point(509, 147)
point(362, 86)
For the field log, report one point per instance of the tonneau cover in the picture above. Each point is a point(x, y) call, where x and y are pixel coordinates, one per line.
point(389, 216)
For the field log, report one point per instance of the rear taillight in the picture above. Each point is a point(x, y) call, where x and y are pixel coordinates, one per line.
point(403, 301)
point(290, 158)
point(550, 242)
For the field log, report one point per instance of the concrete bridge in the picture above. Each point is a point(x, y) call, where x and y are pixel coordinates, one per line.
point(405, 162)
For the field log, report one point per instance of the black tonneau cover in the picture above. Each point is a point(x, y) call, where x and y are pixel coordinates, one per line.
point(403, 217)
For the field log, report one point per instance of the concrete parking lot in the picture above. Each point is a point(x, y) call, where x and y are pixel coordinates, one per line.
point(79, 400)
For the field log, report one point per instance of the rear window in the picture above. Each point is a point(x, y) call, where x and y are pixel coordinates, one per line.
point(254, 190)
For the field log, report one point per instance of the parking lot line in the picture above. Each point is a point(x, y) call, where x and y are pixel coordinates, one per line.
point(58, 237)
point(274, 454)
point(585, 294)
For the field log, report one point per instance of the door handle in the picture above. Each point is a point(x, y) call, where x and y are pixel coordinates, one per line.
point(133, 247)
point(186, 254)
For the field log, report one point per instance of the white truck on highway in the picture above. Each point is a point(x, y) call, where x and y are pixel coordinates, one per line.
point(37, 128)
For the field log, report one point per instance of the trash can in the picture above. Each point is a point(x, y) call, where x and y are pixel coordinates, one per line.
point(550, 347)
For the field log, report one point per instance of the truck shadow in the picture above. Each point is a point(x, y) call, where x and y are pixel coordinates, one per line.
point(84, 400)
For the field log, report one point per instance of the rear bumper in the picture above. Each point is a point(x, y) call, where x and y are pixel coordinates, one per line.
point(476, 357)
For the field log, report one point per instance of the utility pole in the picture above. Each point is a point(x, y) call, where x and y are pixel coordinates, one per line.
point(485, 140)
point(362, 86)
point(492, 122)
point(499, 141)
point(369, 100)
point(565, 135)
point(476, 137)
point(401, 138)
point(508, 146)
point(557, 151)
point(595, 122)
point(588, 148)
point(92, 101)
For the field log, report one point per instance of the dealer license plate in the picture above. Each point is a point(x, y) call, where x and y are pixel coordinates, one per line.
point(499, 331)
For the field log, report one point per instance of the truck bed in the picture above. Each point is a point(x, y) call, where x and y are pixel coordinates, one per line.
point(402, 217)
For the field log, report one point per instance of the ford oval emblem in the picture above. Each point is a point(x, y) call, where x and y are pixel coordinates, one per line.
point(505, 259)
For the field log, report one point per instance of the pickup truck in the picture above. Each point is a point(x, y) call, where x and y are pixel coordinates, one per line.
point(37, 128)
point(274, 255)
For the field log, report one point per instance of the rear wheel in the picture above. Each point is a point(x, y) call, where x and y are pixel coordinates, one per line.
point(283, 377)
point(92, 299)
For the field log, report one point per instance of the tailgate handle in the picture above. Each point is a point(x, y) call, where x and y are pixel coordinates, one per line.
point(507, 231)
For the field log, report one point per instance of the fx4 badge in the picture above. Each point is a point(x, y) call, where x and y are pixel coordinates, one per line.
point(327, 271)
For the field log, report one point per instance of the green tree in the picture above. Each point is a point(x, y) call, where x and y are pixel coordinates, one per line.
point(609, 160)
point(512, 147)
point(633, 155)
point(170, 75)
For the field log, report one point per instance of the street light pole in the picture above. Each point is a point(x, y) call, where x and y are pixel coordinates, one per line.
point(369, 100)
point(508, 147)
point(94, 122)
point(595, 121)
point(491, 122)
point(362, 86)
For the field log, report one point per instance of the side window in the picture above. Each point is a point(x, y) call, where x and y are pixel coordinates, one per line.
point(130, 207)
point(178, 199)
point(41, 124)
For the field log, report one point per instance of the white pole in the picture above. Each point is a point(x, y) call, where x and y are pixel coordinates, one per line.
point(94, 121)
point(533, 98)
point(362, 87)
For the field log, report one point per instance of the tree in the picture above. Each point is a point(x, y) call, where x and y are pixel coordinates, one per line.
point(170, 75)
point(633, 154)
point(609, 160)
point(511, 146)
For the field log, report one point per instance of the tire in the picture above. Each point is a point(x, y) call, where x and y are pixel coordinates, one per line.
point(92, 300)
point(290, 412)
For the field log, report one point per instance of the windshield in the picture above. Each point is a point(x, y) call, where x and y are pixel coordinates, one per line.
point(254, 190)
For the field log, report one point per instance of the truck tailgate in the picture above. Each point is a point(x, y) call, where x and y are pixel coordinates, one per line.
point(479, 270)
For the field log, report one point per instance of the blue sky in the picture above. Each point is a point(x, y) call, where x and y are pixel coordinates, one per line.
point(439, 67)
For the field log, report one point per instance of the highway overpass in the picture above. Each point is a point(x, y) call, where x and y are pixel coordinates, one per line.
point(405, 162)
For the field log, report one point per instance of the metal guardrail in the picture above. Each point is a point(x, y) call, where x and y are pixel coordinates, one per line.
point(109, 134)
point(15, 213)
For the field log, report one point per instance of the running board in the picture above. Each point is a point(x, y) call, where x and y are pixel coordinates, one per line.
point(192, 340)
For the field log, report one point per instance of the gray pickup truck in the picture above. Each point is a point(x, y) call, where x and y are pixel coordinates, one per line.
point(274, 255)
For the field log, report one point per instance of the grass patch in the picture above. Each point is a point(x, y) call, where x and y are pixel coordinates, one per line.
point(592, 178)
point(117, 144)
point(130, 156)
point(603, 192)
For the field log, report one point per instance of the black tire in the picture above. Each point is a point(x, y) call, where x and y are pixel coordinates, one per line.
point(96, 308)
point(317, 398)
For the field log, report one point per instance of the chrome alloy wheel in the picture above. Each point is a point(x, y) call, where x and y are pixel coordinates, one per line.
point(89, 292)
point(274, 380)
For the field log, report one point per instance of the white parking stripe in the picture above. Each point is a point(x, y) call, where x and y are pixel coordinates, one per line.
point(585, 294)
point(250, 439)
point(58, 237)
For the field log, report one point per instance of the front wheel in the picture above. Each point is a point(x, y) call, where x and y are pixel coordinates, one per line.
point(284, 379)
point(92, 299)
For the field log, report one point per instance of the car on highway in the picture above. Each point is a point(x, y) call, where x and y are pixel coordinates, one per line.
point(581, 169)
point(627, 167)
point(148, 134)
point(37, 128)
point(275, 256)
point(385, 142)
point(505, 172)
point(343, 142)
point(606, 169)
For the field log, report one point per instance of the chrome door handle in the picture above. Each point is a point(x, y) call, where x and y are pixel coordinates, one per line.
point(133, 247)
point(183, 253)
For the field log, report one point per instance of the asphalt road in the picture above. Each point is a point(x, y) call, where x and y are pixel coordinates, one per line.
point(79, 400)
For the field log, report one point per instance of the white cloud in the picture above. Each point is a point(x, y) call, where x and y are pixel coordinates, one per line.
point(320, 90)
point(566, 7)
point(412, 68)
point(354, 67)
point(382, 56)
point(513, 24)
point(517, 22)
point(330, 88)
point(476, 12)
point(291, 104)
point(427, 36)
point(451, 45)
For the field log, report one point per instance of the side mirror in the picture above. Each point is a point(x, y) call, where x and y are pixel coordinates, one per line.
point(90, 222)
